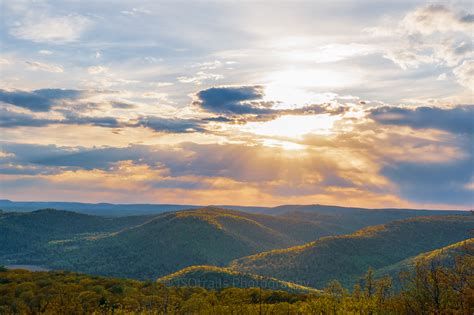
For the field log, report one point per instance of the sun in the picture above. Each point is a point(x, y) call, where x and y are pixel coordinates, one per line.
point(294, 126)
point(297, 87)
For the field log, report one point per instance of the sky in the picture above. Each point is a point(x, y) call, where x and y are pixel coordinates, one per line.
point(351, 103)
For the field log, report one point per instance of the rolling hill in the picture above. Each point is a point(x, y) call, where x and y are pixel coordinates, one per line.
point(352, 219)
point(152, 246)
point(22, 232)
point(444, 256)
point(215, 278)
point(347, 257)
point(172, 241)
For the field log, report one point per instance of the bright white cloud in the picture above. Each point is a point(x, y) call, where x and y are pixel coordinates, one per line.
point(436, 18)
point(96, 69)
point(199, 77)
point(50, 29)
point(135, 11)
point(45, 52)
point(430, 35)
point(337, 52)
point(465, 74)
point(4, 61)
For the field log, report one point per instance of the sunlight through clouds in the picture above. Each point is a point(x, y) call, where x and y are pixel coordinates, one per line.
point(275, 104)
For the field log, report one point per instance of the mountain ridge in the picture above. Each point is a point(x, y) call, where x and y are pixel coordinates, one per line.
point(349, 256)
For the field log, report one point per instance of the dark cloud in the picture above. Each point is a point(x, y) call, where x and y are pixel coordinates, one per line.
point(74, 119)
point(171, 125)
point(12, 170)
point(11, 119)
point(443, 182)
point(251, 165)
point(218, 119)
point(468, 18)
point(241, 104)
point(122, 105)
point(40, 100)
point(77, 157)
point(239, 162)
point(93, 158)
point(240, 100)
point(434, 182)
point(456, 120)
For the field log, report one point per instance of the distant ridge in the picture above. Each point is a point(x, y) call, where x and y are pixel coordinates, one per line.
point(104, 209)
point(111, 209)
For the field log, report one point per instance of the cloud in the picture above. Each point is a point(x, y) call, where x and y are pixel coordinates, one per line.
point(434, 182)
point(12, 119)
point(429, 35)
point(241, 104)
point(80, 157)
point(135, 11)
point(255, 165)
point(35, 65)
point(338, 52)
point(43, 28)
point(440, 168)
point(456, 120)
point(171, 125)
point(437, 18)
point(465, 74)
point(122, 105)
point(40, 100)
point(96, 69)
point(239, 100)
point(74, 119)
point(45, 52)
point(199, 77)
point(190, 167)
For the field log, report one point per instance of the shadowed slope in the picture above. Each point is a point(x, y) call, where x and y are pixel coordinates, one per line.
point(348, 257)
point(444, 256)
point(172, 241)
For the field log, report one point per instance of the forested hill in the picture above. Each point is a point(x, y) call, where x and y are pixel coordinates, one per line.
point(148, 247)
point(354, 218)
point(445, 256)
point(22, 232)
point(172, 241)
point(215, 278)
point(429, 290)
point(347, 257)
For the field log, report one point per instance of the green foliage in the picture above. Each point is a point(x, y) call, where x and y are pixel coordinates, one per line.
point(146, 247)
point(149, 247)
point(27, 233)
point(430, 289)
point(347, 257)
point(211, 277)
point(445, 255)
